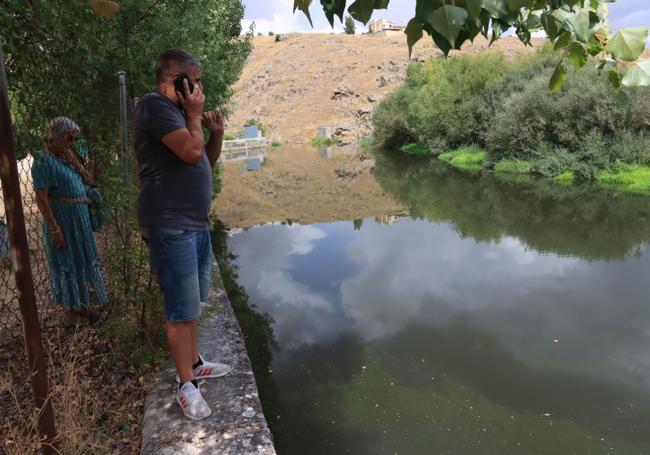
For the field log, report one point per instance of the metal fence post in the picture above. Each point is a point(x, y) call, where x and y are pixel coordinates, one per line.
point(125, 126)
point(23, 271)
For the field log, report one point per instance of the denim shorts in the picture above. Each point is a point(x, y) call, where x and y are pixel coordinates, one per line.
point(182, 261)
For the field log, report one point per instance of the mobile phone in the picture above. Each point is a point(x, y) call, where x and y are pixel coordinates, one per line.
point(178, 83)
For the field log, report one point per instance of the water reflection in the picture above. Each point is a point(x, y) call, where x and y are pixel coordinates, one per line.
point(509, 317)
point(577, 220)
point(325, 151)
point(255, 163)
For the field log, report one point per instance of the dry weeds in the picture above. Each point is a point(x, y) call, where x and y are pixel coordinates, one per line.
point(98, 408)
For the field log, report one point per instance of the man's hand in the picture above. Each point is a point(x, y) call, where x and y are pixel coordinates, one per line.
point(213, 121)
point(192, 102)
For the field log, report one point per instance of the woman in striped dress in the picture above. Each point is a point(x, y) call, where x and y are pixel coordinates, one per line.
point(64, 191)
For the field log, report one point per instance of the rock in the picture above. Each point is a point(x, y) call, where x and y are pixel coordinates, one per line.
point(341, 92)
point(344, 129)
point(384, 79)
point(365, 110)
point(375, 97)
point(280, 37)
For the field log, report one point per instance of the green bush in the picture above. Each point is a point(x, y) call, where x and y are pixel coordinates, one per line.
point(582, 129)
point(505, 108)
point(391, 127)
point(437, 105)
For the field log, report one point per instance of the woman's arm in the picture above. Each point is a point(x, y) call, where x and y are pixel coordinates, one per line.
point(44, 206)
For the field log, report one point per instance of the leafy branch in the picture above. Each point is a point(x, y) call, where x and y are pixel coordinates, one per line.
point(577, 29)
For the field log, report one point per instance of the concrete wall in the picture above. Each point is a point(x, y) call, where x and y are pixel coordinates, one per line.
point(237, 424)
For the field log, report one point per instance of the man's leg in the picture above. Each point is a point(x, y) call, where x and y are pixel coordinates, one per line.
point(174, 259)
point(204, 261)
point(194, 342)
point(181, 339)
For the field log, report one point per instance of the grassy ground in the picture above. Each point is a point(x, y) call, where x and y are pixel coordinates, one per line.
point(627, 177)
point(633, 178)
point(416, 149)
point(470, 158)
point(565, 177)
point(513, 166)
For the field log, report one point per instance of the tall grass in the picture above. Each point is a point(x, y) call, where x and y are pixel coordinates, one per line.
point(465, 158)
point(77, 400)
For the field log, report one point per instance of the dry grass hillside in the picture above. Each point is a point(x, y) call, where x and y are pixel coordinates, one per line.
point(313, 80)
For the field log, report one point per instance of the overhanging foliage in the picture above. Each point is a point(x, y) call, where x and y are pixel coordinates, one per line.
point(577, 28)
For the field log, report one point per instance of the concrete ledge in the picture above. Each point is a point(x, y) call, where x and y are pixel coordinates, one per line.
point(237, 424)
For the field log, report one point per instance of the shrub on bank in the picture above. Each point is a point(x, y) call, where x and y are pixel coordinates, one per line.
point(437, 104)
point(579, 126)
point(505, 108)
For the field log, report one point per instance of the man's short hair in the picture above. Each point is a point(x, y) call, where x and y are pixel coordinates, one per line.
point(171, 58)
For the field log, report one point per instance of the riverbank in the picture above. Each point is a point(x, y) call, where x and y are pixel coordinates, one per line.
point(588, 131)
point(632, 178)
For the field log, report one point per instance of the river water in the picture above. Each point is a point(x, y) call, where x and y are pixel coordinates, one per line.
point(501, 316)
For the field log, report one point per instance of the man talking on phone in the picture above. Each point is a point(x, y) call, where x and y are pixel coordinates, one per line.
point(175, 166)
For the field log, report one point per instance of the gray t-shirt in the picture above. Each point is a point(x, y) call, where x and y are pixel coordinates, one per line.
point(173, 194)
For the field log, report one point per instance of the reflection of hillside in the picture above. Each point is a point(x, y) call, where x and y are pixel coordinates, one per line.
point(578, 220)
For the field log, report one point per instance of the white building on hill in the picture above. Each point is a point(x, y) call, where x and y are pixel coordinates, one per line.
point(385, 27)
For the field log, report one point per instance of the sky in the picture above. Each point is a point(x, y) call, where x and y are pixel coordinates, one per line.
point(277, 15)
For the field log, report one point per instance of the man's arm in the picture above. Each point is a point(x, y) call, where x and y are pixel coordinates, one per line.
point(213, 121)
point(187, 143)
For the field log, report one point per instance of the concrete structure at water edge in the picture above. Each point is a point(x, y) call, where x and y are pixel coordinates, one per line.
point(324, 133)
point(237, 425)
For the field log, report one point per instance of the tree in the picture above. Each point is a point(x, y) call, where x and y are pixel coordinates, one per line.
point(577, 29)
point(62, 59)
point(350, 28)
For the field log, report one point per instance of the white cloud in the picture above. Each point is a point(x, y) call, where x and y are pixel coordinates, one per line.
point(282, 19)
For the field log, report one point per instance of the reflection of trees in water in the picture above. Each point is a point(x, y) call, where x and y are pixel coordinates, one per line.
point(256, 327)
point(576, 220)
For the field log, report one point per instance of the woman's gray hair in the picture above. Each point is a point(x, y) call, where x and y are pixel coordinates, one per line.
point(59, 127)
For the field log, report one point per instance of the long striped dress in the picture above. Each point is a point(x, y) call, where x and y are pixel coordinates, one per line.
point(75, 274)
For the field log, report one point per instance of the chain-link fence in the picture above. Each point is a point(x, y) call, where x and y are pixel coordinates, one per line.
point(10, 324)
point(116, 169)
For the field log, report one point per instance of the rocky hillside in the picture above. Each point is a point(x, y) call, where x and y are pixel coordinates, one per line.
point(310, 80)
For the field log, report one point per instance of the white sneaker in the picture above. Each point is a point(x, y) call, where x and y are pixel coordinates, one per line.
point(209, 370)
point(191, 401)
